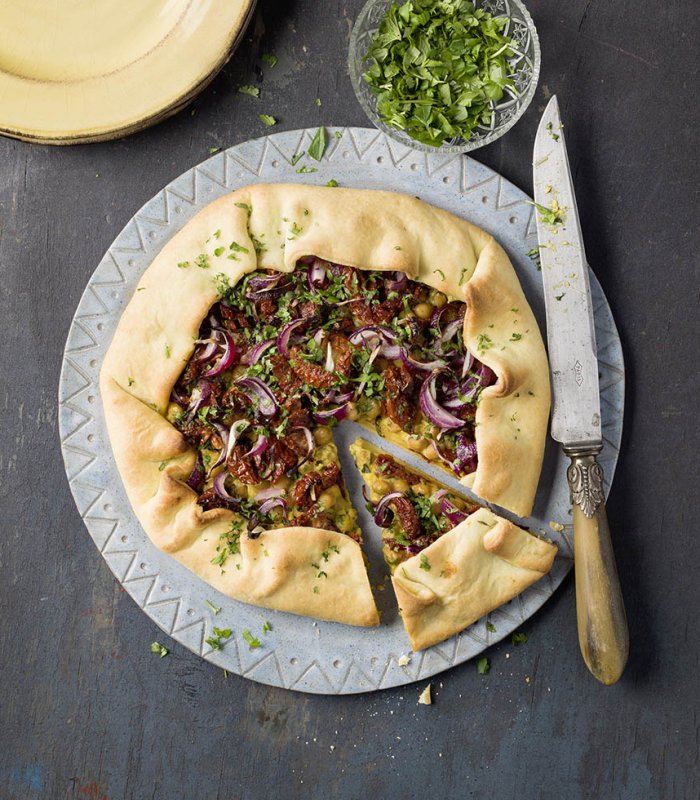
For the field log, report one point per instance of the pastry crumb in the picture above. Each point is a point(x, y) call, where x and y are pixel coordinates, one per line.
point(556, 526)
point(404, 660)
point(425, 698)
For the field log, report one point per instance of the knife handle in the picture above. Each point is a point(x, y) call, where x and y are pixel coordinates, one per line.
point(600, 611)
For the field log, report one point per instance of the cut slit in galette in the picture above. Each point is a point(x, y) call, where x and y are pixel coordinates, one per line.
point(274, 314)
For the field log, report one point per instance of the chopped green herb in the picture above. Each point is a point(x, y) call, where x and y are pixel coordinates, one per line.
point(515, 337)
point(332, 183)
point(437, 69)
point(166, 350)
point(213, 150)
point(266, 627)
point(296, 158)
point(318, 144)
point(183, 264)
point(252, 641)
point(490, 627)
point(248, 209)
point(141, 289)
point(315, 590)
point(295, 230)
point(338, 135)
point(461, 276)
point(483, 342)
point(162, 466)
point(266, 119)
point(549, 127)
point(317, 101)
point(253, 91)
point(559, 296)
point(202, 261)
point(212, 606)
point(483, 666)
point(439, 272)
point(518, 638)
point(551, 216)
point(159, 649)
point(303, 170)
point(130, 381)
point(270, 59)
point(219, 251)
point(424, 563)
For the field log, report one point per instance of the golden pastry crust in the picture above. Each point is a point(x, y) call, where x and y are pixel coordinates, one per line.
point(477, 566)
point(366, 229)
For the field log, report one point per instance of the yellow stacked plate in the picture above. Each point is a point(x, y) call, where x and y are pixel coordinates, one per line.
point(85, 70)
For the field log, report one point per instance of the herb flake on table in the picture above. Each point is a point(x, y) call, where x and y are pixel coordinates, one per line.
point(212, 607)
point(268, 120)
point(550, 216)
point(437, 68)
point(270, 59)
point(483, 666)
point(253, 91)
point(253, 643)
point(518, 638)
point(159, 649)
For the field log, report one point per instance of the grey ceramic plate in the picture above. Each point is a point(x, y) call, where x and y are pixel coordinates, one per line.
point(298, 653)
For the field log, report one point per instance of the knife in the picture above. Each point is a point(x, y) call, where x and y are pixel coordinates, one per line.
point(576, 424)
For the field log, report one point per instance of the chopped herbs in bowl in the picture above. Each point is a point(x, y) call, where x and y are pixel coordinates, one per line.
point(448, 75)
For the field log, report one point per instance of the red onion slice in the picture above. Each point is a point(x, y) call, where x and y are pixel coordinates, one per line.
point(339, 413)
point(398, 283)
point(274, 502)
point(310, 443)
point(261, 392)
point(316, 276)
point(253, 355)
point(199, 398)
point(220, 489)
point(426, 366)
point(429, 405)
point(260, 446)
point(285, 333)
point(234, 433)
point(196, 479)
point(268, 494)
point(227, 358)
point(382, 513)
point(209, 351)
point(451, 511)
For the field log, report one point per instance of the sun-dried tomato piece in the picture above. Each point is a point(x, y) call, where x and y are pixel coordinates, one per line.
point(241, 467)
point(309, 486)
point(313, 374)
point(407, 516)
point(385, 465)
point(342, 353)
point(398, 403)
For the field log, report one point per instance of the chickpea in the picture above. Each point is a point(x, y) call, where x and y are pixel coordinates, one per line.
point(438, 299)
point(381, 486)
point(174, 411)
point(352, 412)
point(424, 310)
point(429, 453)
point(323, 434)
point(328, 498)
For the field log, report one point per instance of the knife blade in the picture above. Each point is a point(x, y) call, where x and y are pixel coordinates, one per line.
point(576, 421)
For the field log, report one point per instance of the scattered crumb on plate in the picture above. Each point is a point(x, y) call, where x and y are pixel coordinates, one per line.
point(404, 660)
point(556, 526)
point(425, 696)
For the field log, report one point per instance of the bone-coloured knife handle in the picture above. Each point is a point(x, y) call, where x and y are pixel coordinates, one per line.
point(600, 611)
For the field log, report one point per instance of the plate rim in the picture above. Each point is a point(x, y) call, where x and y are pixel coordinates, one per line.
point(85, 134)
point(212, 174)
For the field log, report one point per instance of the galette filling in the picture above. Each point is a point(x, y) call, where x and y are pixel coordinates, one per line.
point(413, 511)
point(283, 357)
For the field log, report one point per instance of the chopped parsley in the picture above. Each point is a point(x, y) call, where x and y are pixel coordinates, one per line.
point(270, 59)
point(551, 216)
point(183, 264)
point(266, 119)
point(518, 638)
point(266, 627)
point(559, 296)
point(219, 251)
point(332, 183)
point(215, 641)
point(318, 144)
point(250, 639)
point(248, 209)
point(166, 350)
point(490, 627)
point(483, 666)
point(424, 563)
point(317, 101)
point(162, 466)
point(550, 130)
point(130, 381)
point(212, 607)
point(304, 169)
point(253, 91)
point(297, 157)
point(483, 342)
point(515, 337)
point(437, 69)
point(213, 150)
point(159, 649)
point(202, 261)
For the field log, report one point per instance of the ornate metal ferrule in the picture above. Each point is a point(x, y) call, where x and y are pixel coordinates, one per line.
point(585, 477)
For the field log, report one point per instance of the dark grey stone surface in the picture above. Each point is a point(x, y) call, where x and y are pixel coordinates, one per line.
point(86, 711)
